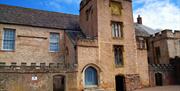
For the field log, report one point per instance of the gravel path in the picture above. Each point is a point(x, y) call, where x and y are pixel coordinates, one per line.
point(163, 88)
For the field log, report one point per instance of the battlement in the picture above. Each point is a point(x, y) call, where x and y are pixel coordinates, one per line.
point(167, 33)
point(89, 42)
point(161, 67)
point(42, 67)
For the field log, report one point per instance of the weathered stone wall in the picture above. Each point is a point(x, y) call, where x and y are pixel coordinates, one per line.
point(32, 46)
point(89, 10)
point(168, 42)
point(99, 52)
point(19, 78)
point(143, 67)
point(167, 71)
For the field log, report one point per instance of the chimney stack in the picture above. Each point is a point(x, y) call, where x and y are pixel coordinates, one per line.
point(139, 19)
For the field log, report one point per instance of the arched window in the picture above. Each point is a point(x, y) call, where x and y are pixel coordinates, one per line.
point(91, 77)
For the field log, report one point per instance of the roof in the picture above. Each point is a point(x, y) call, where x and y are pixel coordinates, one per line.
point(39, 18)
point(142, 30)
point(74, 35)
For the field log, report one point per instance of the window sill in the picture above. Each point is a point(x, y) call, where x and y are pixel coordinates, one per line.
point(118, 38)
point(142, 48)
point(7, 50)
point(91, 86)
point(54, 51)
point(119, 66)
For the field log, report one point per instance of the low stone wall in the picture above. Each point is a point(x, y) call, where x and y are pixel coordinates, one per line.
point(167, 71)
point(36, 78)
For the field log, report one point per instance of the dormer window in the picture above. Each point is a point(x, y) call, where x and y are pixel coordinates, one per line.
point(141, 43)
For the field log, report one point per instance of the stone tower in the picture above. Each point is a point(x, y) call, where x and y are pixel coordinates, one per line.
point(110, 47)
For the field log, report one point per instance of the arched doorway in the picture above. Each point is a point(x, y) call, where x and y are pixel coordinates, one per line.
point(58, 83)
point(159, 79)
point(120, 83)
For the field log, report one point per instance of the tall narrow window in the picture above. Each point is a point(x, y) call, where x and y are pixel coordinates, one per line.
point(117, 30)
point(54, 42)
point(91, 77)
point(8, 39)
point(118, 54)
point(158, 53)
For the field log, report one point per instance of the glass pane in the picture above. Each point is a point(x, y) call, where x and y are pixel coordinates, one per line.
point(91, 76)
point(9, 39)
point(54, 42)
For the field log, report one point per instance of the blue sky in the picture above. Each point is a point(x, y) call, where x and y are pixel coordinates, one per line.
point(146, 8)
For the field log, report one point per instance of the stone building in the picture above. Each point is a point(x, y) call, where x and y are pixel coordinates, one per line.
point(163, 48)
point(50, 51)
point(162, 51)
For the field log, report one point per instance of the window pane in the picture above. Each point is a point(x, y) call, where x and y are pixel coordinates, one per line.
point(116, 29)
point(118, 54)
point(9, 39)
point(90, 76)
point(54, 42)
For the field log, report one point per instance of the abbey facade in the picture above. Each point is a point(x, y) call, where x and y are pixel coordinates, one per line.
point(99, 50)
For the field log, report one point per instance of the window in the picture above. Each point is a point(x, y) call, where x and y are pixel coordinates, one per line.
point(158, 53)
point(141, 43)
point(8, 39)
point(118, 54)
point(91, 77)
point(88, 12)
point(117, 30)
point(54, 42)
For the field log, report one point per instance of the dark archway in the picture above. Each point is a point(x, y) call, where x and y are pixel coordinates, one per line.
point(159, 79)
point(58, 83)
point(120, 83)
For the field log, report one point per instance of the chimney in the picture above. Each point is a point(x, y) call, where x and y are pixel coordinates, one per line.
point(139, 19)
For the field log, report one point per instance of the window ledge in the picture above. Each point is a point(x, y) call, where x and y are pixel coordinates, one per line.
point(142, 48)
point(119, 66)
point(54, 51)
point(7, 50)
point(119, 38)
point(91, 86)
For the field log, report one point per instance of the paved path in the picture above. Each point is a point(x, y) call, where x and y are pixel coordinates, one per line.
point(163, 88)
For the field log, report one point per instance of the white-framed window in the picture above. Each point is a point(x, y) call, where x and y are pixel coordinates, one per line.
point(91, 77)
point(117, 29)
point(54, 42)
point(8, 39)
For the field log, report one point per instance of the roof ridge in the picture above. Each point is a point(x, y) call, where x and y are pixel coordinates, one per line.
point(34, 9)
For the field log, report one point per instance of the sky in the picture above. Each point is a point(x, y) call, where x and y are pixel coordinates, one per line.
point(157, 14)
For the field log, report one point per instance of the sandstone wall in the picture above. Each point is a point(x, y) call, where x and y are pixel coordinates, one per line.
point(32, 46)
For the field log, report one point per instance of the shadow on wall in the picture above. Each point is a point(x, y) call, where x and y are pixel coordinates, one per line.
point(176, 62)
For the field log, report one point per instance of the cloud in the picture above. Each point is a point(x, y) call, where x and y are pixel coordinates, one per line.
point(158, 14)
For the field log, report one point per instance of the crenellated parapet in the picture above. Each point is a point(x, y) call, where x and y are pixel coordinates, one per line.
point(40, 68)
point(88, 42)
point(161, 67)
point(166, 34)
